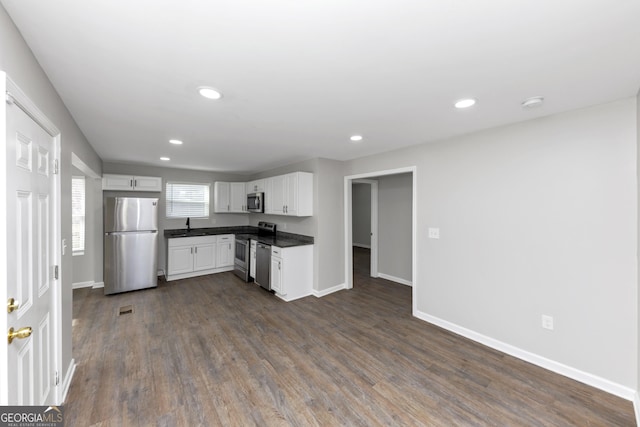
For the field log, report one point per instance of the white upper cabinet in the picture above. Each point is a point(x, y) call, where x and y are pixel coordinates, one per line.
point(131, 183)
point(276, 195)
point(256, 186)
point(238, 197)
point(290, 194)
point(229, 197)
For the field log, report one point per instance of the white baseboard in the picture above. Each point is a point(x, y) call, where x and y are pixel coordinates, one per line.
point(98, 285)
point(559, 368)
point(66, 383)
point(325, 292)
point(395, 279)
point(636, 406)
point(79, 285)
point(361, 245)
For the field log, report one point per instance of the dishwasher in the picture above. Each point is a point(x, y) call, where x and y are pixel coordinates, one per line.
point(263, 265)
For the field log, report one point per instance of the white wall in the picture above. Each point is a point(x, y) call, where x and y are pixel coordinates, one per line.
point(395, 207)
point(361, 214)
point(19, 63)
point(538, 217)
point(638, 252)
point(177, 175)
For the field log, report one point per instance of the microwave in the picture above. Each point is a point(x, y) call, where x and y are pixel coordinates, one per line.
point(255, 202)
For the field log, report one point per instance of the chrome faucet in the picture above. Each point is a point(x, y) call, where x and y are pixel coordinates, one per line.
point(188, 224)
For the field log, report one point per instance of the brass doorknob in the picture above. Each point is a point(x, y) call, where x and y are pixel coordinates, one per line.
point(20, 333)
point(12, 305)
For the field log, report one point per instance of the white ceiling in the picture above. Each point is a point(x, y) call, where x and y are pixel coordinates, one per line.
point(301, 76)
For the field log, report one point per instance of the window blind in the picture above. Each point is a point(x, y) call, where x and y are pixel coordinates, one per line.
point(77, 213)
point(187, 200)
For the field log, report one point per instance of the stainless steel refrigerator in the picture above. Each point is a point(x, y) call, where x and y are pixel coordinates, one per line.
point(130, 244)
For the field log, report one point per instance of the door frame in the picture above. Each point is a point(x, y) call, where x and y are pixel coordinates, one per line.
point(374, 222)
point(348, 218)
point(13, 94)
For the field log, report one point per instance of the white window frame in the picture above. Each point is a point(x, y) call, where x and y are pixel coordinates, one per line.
point(76, 251)
point(169, 202)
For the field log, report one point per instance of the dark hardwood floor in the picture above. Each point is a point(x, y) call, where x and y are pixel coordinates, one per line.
point(217, 351)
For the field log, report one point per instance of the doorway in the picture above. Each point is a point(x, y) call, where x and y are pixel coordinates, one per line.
point(86, 230)
point(349, 181)
point(365, 223)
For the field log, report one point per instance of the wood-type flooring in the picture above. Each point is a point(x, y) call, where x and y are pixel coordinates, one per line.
point(214, 350)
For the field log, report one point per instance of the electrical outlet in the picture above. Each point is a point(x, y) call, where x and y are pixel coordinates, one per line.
point(434, 233)
point(547, 322)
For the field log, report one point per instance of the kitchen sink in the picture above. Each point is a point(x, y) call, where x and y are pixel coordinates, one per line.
point(189, 234)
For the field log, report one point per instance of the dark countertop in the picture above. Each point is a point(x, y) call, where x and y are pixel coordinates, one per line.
point(281, 239)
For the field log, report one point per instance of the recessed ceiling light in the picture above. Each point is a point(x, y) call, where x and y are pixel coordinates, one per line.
point(209, 92)
point(175, 141)
point(533, 102)
point(465, 103)
point(165, 159)
point(356, 138)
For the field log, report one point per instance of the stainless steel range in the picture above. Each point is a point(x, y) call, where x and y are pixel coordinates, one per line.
point(241, 261)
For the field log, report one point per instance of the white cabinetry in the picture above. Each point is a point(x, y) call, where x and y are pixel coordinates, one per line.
point(290, 194)
point(276, 275)
point(229, 197)
point(276, 195)
point(256, 186)
point(252, 260)
point(292, 272)
point(195, 256)
point(131, 183)
point(226, 244)
point(204, 256)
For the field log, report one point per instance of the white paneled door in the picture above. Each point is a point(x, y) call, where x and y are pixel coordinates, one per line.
point(30, 194)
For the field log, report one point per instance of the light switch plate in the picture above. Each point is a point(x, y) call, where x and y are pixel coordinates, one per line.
point(434, 233)
point(547, 322)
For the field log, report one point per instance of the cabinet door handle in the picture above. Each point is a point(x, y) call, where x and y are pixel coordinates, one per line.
point(131, 183)
point(278, 265)
point(135, 182)
point(191, 250)
point(196, 248)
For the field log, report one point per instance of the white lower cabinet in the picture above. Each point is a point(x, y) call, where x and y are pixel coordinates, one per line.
point(276, 276)
point(204, 256)
point(179, 260)
point(252, 260)
point(292, 272)
point(196, 256)
point(226, 243)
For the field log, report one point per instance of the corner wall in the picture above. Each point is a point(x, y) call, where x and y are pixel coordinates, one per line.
point(326, 223)
point(538, 217)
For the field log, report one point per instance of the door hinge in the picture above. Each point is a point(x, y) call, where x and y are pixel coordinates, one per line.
point(57, 378)
point(56, 272)
point(55, 167)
